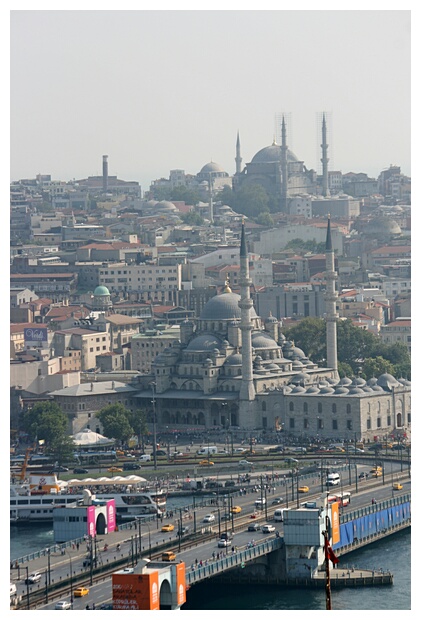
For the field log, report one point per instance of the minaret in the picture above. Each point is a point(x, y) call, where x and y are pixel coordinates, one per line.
point(284, 169)
point(324, 160)
point(330, 301)
point(238, 158)
point(247, 392)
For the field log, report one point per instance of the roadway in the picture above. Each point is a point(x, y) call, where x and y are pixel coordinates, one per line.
point(202, 548)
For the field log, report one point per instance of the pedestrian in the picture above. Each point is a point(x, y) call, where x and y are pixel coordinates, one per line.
point(77, 546)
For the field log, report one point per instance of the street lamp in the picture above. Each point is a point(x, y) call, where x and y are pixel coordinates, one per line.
point(71, 579)
point(153, 386)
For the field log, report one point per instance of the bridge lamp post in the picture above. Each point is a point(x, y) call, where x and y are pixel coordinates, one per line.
point(71, 579)
point(27, 587)
point(153, 386)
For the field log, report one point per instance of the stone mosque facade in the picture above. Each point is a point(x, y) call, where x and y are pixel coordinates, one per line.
point(233, 370)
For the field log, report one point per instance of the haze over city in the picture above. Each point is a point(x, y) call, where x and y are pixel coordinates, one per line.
point(159, 90)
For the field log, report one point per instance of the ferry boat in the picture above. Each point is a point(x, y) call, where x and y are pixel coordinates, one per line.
point(35, 498)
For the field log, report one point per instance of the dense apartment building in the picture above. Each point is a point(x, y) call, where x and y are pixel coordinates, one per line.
point(146, 346)
point(144, 278)
point(397, 331)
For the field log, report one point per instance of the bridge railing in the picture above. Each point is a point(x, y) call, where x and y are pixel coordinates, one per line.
point(212, 567)
point(372, 508)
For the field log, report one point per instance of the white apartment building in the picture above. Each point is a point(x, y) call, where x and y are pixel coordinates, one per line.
point(395, 286)
point(397, 331)
point(148, 278)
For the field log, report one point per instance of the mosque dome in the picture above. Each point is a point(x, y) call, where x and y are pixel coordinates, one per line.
point(165, 205)
point(260, 340)
point(272, 154)
point(101, 290)
point(298, 390)
point(300, 377)
point(224, 307)
point(377, 388)
point(356, 390)
point(387, 381)
point(313, 389)
point(341, 389)
point(236, 359)
point(326, 389)
point(204, 342)
point(211, 167)
point(345, 381)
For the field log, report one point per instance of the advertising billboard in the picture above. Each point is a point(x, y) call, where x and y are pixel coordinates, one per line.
point(136, 591)
point(336, 535)
point(111, 515)
point(35, 336)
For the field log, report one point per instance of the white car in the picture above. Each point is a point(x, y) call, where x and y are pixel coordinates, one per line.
point(63, 605)
point(267, 529)
point(245, 463)
point(240, 450)
point(208, 518)
point(33, 578)
point(224, 542)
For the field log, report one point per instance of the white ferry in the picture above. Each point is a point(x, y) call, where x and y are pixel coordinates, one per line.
point(35, 498)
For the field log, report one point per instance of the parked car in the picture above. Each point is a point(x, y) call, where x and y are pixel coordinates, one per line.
point(81, 591)
point(80, 470)
point(33, 578)
point(63, 605)
point(267, 528)
point(208, 518)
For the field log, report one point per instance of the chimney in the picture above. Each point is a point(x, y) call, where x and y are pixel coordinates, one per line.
point(105, 173)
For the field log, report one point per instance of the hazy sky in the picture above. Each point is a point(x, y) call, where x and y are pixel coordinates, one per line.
point(159, 90)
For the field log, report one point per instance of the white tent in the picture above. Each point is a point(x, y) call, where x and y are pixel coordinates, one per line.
point(86, 438)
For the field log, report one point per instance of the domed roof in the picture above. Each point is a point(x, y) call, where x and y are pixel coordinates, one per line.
point(367, 388)
point(377, 388)
point(101, 290)
point(341, 389)
point(345, 381)
point(272, 154)
point(165, 205)
point(387, 381)
point(211, 167)
point(358, 382)
point(300, 377)
point(272, 366)
point(298, 389)
point(356, 390)
point(236, 359)
point(313, 389)
point(204, 342)
point(260, 340)
point(382, 226)
point(327, 390)
point(224, 307)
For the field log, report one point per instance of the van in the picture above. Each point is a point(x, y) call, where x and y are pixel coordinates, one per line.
point(298, 450)
point(168, 556)
point(278, 515)
point(259, 504)
point(333, 480)
point(145, 457)
point(207, 450)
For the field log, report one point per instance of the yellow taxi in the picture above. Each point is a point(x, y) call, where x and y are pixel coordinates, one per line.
point(114, 469)
point(397, 486)
point(167, 528)
point(205, 462)
point(236, 509)
point(82, 591)
point(168, 556)
point(303, 489)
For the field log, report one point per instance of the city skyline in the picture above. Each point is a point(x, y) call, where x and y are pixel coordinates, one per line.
point(162, 90)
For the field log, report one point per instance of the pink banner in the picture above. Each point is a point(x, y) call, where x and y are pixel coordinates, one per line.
point(111, 516)
point(91, 521)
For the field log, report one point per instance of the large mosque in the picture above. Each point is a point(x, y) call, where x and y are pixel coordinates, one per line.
point(233, 369)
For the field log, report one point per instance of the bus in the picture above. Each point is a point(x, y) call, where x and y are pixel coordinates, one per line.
point(343, 499)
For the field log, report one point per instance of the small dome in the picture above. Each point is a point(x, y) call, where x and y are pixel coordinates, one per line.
point(300, 377)
point(260, 340)
point(287, 389)
point(372, 381)
point(367, 389)
point(204, 342)
point(236, 359)
point(382, 226)
point(313, 389)
point(377, 388)
point(298, 389)
point(358, 382)
point(327, 390)
point(271, 319)
point(345, 381)
point(341, 389)
point(101, 290)
point(165, 205)
point(387, 381)
point(356, 390)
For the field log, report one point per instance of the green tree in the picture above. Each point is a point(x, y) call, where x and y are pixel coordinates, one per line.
point(226, 196)
point(355, 344)
point(376, 366)
point(138, 421)
point(192, 218)
point(251, 200)
point(344, 370)
point(265, 219)
point(44, 421)
point(115, 422)
point(309, 335)
point(189, 196)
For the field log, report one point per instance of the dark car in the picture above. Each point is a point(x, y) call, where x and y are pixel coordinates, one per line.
point(131, 465)
point(183, 530)
point(161, 453)
point(230, 483)
point(80, 470)
point(253, 527)
point(58, 469)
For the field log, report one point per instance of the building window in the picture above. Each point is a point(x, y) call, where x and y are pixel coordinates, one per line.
point(306, 423)
point(319, 423)
point(379, 422)
point(319, 407)
point(334, 408)
point(291, 423)
point(291, 406)
point(368, 424)
point(305, 408)
point(334, 425)
point(349, 425)
point(348, 408)
point(263, 406)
